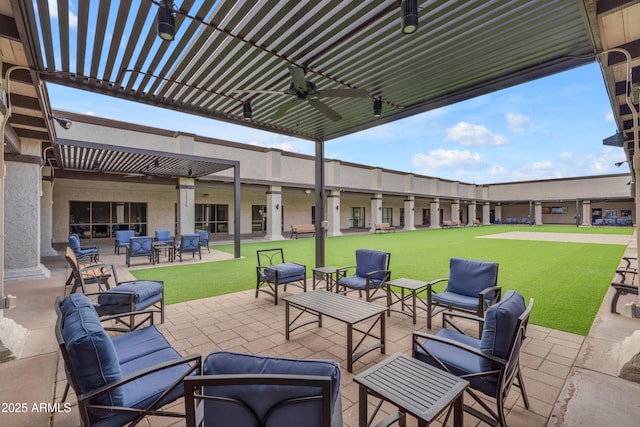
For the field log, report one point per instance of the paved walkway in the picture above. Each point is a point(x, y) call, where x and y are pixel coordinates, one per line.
point(570, 379)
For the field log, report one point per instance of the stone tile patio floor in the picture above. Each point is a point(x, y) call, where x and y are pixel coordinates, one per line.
point(556, 365)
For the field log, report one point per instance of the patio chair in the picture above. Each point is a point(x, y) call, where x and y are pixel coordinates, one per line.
point(471, 287)
point(85, 272)
point(371, 273)
point(490, 364)
point(118, 379)
point(127, 296)
point(189, 243)
point(204, 239)
point(244, 390)
point(92, 252)
point(140, 246)
point(122, 239)
point(164, 236)
point(272, 271)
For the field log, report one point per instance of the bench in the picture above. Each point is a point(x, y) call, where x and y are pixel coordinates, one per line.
point(384, 227)
point(624, 286)
point(303, 229)
point(122, 378)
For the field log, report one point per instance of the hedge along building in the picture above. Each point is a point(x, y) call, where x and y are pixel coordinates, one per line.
point(276, 190)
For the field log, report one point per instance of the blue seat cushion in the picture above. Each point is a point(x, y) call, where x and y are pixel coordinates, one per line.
point(458, 362)
point(287, 272)
point(357, 282)
point(456, 300)
point(368, 260)
point(138, 343)
point(500, 324)
point(470, 277)
point(91, 352)
point(262, 397)
point(142, 290)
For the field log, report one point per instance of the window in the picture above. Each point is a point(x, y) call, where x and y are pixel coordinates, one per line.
point(258, 218)
point(213, 218)
point(103, 219)
point(387, 215)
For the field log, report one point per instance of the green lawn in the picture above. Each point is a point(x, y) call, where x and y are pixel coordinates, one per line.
point(567, 280)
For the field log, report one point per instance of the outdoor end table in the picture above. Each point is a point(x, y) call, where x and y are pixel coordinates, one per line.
point(414, 387)
point(340, 307)
point(328, 274)
point(167, 247)
point(414, 287)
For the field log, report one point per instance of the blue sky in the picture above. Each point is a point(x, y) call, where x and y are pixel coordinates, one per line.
point(549, 128)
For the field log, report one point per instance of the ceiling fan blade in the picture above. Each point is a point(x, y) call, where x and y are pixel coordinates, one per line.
point(325, 109)
point(345, 93)
point(299, 81)
point(274, 92)
point(284, 108)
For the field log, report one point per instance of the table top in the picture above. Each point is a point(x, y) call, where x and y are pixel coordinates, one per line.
point(336, 306)
point(407, 283)
point(326, 270)
point(414, 386)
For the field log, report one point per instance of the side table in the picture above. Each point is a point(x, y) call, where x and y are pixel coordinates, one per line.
point(326, 274)
point(414, 287)
point(414, 387)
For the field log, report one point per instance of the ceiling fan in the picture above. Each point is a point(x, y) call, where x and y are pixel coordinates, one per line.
point(302, 90)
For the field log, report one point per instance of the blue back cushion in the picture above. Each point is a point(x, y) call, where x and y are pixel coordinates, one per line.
point(189, 242)
point(469, 277)
point(501, 320)
point(163, 235)
point(262, 397)
point(368, 260)
point(140, 245)
point(123, 236)
point(91, 353)
point(74, 242)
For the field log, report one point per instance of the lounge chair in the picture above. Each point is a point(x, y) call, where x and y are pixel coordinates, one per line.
point(272, 271)
point(371, 272)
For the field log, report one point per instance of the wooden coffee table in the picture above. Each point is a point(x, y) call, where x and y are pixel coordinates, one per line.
point(414, 387)
point(345, 309)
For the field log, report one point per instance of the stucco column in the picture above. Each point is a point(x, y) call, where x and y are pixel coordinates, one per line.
point(333, 213)
point(376, 211)
point(586, 212)
point(22, 206)
point(46, 213)
point(538, 212)
point(186, 206)
point(274, 213)
point(486, 213)
point(435, 214)
point(471, 213)
point(498, 212)
point(409, 214)
point(455, 210)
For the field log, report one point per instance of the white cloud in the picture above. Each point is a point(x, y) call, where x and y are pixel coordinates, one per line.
point(474, 135)
point(89, 113)
point(280, 143)
point(516, 122)
point(446, 159)
point(541, 166)
point(565, 155)
point(53, 11)
point(498, 170)
point(608, 117)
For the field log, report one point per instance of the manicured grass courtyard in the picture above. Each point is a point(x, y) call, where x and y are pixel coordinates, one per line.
point(567, 280)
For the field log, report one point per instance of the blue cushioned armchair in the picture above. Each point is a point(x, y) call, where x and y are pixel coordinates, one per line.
point(140, 246)
point(490, 364)
point(118, 379)
point(122, 239)
point(91, 252)
point(245, 390)
point(204, 239)
point(370, 275)
point(272, 271)
point(471, 287)
point(164, 236)
point(189, 243)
